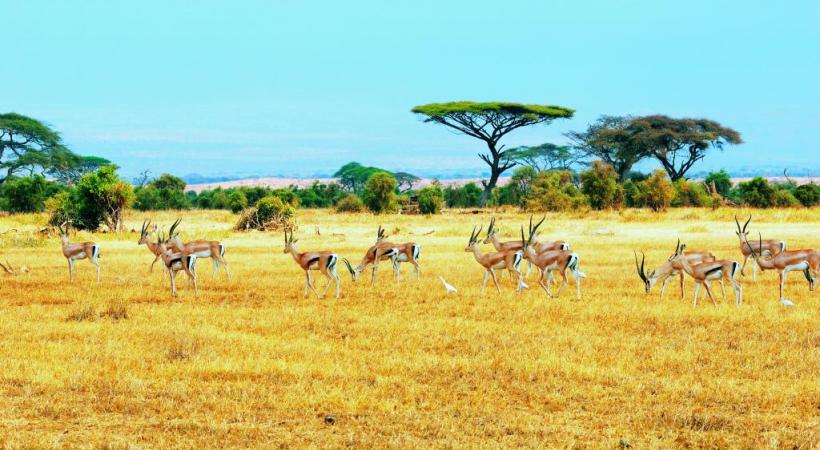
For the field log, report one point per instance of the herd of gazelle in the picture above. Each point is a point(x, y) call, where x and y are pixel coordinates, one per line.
point(548, 257)
point(768, 254)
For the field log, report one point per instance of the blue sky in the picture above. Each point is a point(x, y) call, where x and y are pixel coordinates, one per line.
point(299, 88)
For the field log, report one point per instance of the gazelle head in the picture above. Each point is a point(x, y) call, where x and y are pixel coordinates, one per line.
point(473, 242)
point(145, 234)
point(64, 228)
point(741, 231)
point(527, 243)
point(491, 232)
point(290, 242)
point(754, 254)
point(354, 273)
point(381, 236)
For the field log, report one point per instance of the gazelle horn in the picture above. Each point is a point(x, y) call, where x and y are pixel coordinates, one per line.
point(747, 223)
point(641, 267)
point(349, 267)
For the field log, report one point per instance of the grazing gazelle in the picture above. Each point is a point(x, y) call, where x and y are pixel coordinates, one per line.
point(201, 248)
point(73, 252)
point(705, 272)
point(509, 260)
point(322, 261)
point(540, 247)
point(670, 269)
point(383, 250)
point(153, 247)
point(555, 260)
point(805, 260)
point(768, 247)
point(175, 262)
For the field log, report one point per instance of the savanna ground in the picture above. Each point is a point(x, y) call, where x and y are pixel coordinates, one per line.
point(250, 363)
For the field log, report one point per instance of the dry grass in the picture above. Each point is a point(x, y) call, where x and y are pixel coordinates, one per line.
point(250, 363)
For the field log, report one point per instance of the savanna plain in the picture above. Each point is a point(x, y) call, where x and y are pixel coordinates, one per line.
point(251, 363)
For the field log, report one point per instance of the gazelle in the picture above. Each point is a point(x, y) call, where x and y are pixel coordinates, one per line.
point(153, 247)
point(73, 252)
point(705, 272)
point(805, 260)
point(671, 269)
point(323, 261)
point(175, 262)
point(201, 248)
point(383, 250)
point(509, 260)
point(540, 247)
point(768, 247)
point(555, 260)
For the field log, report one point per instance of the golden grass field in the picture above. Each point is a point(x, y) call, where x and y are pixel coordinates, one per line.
point(250, 363)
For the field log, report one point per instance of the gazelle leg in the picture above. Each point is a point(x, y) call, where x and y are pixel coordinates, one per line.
point(709, 291)
point(548, 276)
point(418, 269)
point(329, 281)
point(722, 290)
point(578, 286)
point(375, 267)
point(70, 269)
point(520, 278)
point(338, 282)
point(663, 286)
point(216, 266)
point(495, 280)
point(743, 267)
point(563, 283)
point(529, 268)
point(224, 264)
point(754, 271)
point(173, 283)
point(697, 292)
point(486, 276)
point(782, 282)
point(396, 270)
point(542, 281)
point(682, 286)
point(307, 282)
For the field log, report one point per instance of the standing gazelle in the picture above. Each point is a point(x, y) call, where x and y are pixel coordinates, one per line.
point(73, 252)
point(382, 251)
point(805, 260)
point(705, 272)
point(540, 247)
point(200, 248)
point(555, 260)
point(509, 260)
point(153, 247)
point(670, 269)
point(323, 261)
point(175, 262)
point(768, 247)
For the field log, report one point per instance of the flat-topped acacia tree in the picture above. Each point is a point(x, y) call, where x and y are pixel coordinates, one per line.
point(489, 122)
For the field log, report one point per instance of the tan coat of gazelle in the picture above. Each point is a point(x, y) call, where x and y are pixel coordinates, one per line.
point(153, 247)
point(805, 260)
point(509, 260)
point(670, 269)
point(502, 246)
point(77, 251)
point(175, 262)
point(705, 272)
point(199, 248)
point(384, 250)
point(765, 247)
point(555, 260)
point(323, 261)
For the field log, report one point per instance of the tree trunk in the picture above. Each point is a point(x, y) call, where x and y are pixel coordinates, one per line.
point(495, 173)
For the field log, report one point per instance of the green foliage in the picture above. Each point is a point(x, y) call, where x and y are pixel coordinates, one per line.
point(808, 194)
point(757, 193)
point(99, 198)
point(600, 184)
point(27, 194)
point(785, 199)
point(634, 194)
point(269, 213)
point(518, 188)
point(467, 196)
point(690, 194)
point(722, 181)
point(237, 201)
point(380, 193)
point(320, 195)
point(546, 157)
point(27, 144)
point(431, 199)
point(657, 191)
point(353, 175)
point(350, 203)
point(608, 140)
point(554, 191)
point(163, 193)
point(530, 112)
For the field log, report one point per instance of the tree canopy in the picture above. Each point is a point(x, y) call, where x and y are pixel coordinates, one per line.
point(489, 122)
point(27, 144)
point(546, 157)
point(678, 143)
point(608, 139)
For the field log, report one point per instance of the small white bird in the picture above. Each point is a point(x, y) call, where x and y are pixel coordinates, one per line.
point(787, 303)
point(447, 285)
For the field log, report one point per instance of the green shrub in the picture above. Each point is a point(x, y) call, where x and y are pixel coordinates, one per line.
point(688, 194)
point(99, 198)
point(554, 191)
point(722, 180)
point(164, 193)
point(431, 199)
point(633, 194)
point(269, 213)
point(757, 193)
point(784, 198)
point(350, 203)
point(808, 194)
point(27, 194)
point(380, 193)
point(237, 201)
point(658, 191)
point(467, 196)
point(600, 184)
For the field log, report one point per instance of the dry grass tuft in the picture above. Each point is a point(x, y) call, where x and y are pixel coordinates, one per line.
point(85, 313)
point(116, 310)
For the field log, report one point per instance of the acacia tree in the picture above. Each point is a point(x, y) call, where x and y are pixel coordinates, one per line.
point(489, 122)
point(547, 157)
point(27, 144)
point(678, 143)
point(608, 139)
